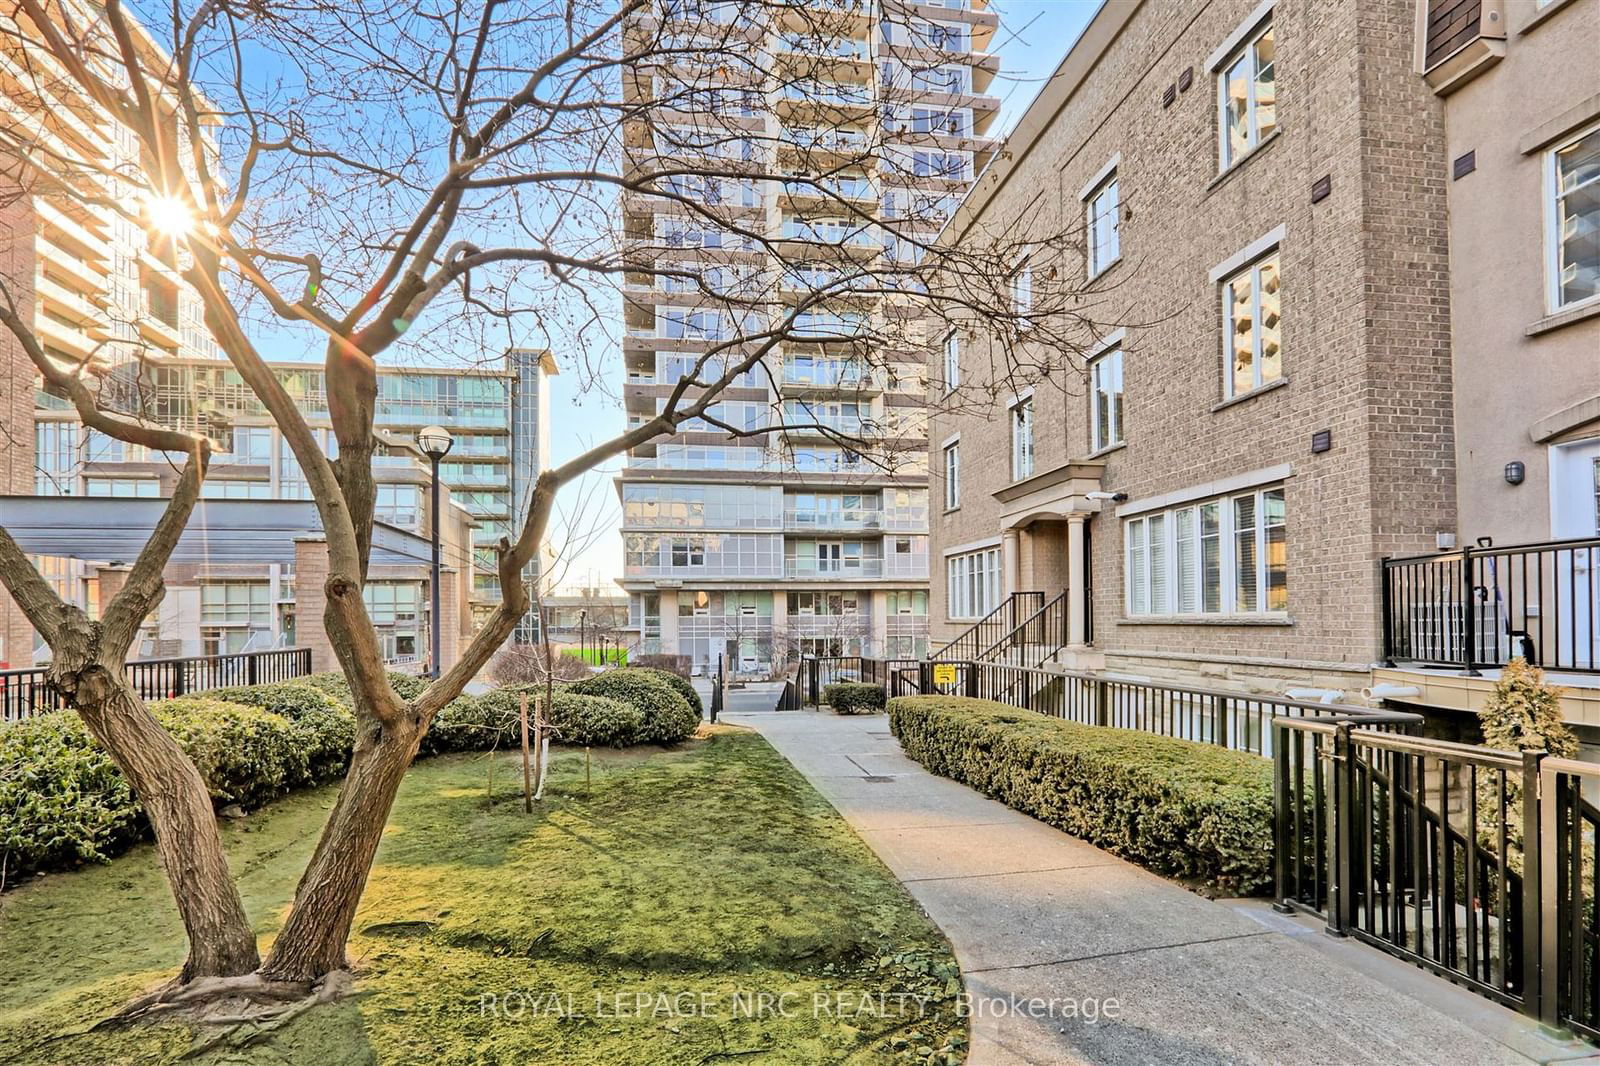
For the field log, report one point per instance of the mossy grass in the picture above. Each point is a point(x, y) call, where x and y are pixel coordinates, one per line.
point(701, 873)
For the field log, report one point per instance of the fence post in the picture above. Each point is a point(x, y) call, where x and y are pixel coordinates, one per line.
point(1219, 718)
point(1280, 820)
point(925, 678)
point(1385, 590)
point(250, 671)
point(1469, 614)
point(972, 679)
point(1102, 702)
point(1541, 924)
point(1341, 832)
point(180, 678)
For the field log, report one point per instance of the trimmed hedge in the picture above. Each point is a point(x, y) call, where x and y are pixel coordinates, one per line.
point(668, 717)
point(594, 721)
point(328, 727)
point(854, 697)
point(333, 683)
point(63, 800)
point(680, 684)
point(1187, 810)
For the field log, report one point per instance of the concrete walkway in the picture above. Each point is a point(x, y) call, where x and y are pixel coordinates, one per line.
point(1036, 915)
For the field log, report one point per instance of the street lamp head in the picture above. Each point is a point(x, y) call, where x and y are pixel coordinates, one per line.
point(435, 441)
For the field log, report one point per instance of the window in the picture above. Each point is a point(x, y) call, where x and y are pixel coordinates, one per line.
point(235, 603)
point(952, 476)
point(1022, 294)
point(972, 583)
point(145, 488)
point(1105, 400)
point(688, 551)
point(952, 361)
point(1574, 170)
point(1246, 97)
point(1254, 335)
point(1022, 439)
point(1224, 556)
point(1104, 226)
point(56, 451)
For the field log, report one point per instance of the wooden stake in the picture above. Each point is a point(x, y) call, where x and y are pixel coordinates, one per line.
point(587, 780)
point(527, 782)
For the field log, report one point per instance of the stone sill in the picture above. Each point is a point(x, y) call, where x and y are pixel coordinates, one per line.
point(1588, 309)
point(1541, 14)
point(1252, 394)
point(1205, 620)
point(1240, 163)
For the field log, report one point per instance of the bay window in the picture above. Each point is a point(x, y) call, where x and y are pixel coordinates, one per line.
point(1226, 556)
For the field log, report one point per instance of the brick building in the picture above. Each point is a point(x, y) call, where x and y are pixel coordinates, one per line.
point(1268, 409)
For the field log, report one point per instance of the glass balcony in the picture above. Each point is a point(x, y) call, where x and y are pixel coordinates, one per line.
point(804, 518)
point(808, 566)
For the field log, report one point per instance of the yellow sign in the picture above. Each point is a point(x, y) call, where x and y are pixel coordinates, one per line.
point(944, 675)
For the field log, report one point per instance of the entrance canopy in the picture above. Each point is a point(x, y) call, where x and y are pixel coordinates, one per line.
point(115, 529)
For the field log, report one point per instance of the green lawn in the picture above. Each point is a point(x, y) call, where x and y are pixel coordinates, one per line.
point(697, 905)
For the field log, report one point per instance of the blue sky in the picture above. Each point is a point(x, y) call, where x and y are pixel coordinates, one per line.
point(1034, 35)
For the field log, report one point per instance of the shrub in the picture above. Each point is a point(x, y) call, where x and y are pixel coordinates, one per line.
point(668, 717)
point(333, 683)
point(1184, 809)
point(854, 697)
point(595, 721)
point(682, 685)
point(326, 726)
point(62, 798)
point(246, 755)
point(1522, 713)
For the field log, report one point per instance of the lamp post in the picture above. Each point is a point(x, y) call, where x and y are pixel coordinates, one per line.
point(435, 442)
point(582, 648)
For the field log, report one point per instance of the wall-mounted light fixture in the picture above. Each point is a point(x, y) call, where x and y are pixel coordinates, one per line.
point(1515, 472)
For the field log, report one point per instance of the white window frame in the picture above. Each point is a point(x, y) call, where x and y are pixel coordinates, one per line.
point(952, 475)
point(1020, 414)
point(1243, 43)
point(952, 362)
point(1111, 353)
point(1552, 213)
point(1252, 270)
point(1153, 547)
point(972, 583)
point(1093, 211)
point(1022, 294)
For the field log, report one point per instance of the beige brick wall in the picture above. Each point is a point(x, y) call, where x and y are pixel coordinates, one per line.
point(16, 402)
point(1365, 316)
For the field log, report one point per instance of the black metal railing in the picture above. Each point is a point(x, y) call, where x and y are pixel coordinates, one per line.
point(992, 627)
point(1474, 863)
point(1037, 637)
point(818, 672)
point(26, 692)
point(1238, 721)
point(1481, 607)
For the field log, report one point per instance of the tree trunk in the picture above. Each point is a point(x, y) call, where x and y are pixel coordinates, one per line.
point(178, 804)
point(312, 941)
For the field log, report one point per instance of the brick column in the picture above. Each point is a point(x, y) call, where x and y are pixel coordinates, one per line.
point(311, 599)
point(112, 578)
point(450, 617)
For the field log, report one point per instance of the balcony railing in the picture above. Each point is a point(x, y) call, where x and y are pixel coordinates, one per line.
point(832, 518)
point(1481, 607)
point(27, 692)
point(840, 569)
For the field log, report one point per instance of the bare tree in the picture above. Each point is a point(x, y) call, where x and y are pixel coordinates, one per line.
point(376, 177)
